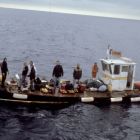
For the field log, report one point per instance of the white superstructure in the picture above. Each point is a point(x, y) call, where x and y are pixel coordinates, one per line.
point(118, 73)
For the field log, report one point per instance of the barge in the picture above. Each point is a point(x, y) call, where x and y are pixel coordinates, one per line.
point(116, 74)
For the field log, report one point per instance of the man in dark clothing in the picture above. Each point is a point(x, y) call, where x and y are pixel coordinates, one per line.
point(24, 74)
point(77, 74)
point(57, 73)
point(4, 70)
point(32, 75)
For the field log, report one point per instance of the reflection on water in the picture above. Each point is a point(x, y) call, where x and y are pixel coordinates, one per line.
point(75, 122)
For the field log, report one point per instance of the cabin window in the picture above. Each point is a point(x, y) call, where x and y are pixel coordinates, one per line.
point(124, 68)
point(117, 69)
point(105, 67)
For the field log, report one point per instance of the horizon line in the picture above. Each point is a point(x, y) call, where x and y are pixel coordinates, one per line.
point(67, 11)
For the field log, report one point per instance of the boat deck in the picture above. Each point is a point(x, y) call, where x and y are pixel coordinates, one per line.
point(94, 94)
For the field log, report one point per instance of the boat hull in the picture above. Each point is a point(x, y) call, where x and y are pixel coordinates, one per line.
point(59, 100)
point(36, 99)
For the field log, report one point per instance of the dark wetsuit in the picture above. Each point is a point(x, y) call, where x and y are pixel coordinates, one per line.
point(32, 73)
point(32, 77)
point(25, 71)
point(4, 70)
point(24, 75)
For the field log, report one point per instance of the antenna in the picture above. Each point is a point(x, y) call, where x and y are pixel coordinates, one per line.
point(108, 52)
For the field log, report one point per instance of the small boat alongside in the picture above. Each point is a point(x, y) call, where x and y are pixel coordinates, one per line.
point(115, 84)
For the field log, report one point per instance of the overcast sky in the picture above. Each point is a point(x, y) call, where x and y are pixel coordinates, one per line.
point(128, 9)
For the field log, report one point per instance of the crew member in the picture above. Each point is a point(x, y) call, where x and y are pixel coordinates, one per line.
point(4, 71)
point(77, 74)
point(57, 73)
point(24, 74)
point(94, 71)
point(32, 75)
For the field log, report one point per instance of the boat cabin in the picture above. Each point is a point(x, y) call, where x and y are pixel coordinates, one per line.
point(118, 73)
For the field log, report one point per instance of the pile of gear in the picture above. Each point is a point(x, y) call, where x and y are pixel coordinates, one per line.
point(45, 87)
point(66, 87)
point(95, 85)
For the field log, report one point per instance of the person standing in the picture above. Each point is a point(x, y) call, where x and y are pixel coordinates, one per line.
point(94, 71)
point(24, 74)
point(57, 73)
point(77, 74)
point(32, 75)
point(4, 71)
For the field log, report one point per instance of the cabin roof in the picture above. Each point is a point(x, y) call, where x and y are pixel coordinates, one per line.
point(121, 61)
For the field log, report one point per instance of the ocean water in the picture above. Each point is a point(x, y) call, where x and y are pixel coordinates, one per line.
point(46, 37)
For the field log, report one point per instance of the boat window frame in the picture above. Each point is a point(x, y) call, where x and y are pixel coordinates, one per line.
point(105, 66)
point(124, 68)
point(117, 69)
point(110, 68)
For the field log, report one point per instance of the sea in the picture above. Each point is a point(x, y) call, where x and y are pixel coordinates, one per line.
point(44, 38)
